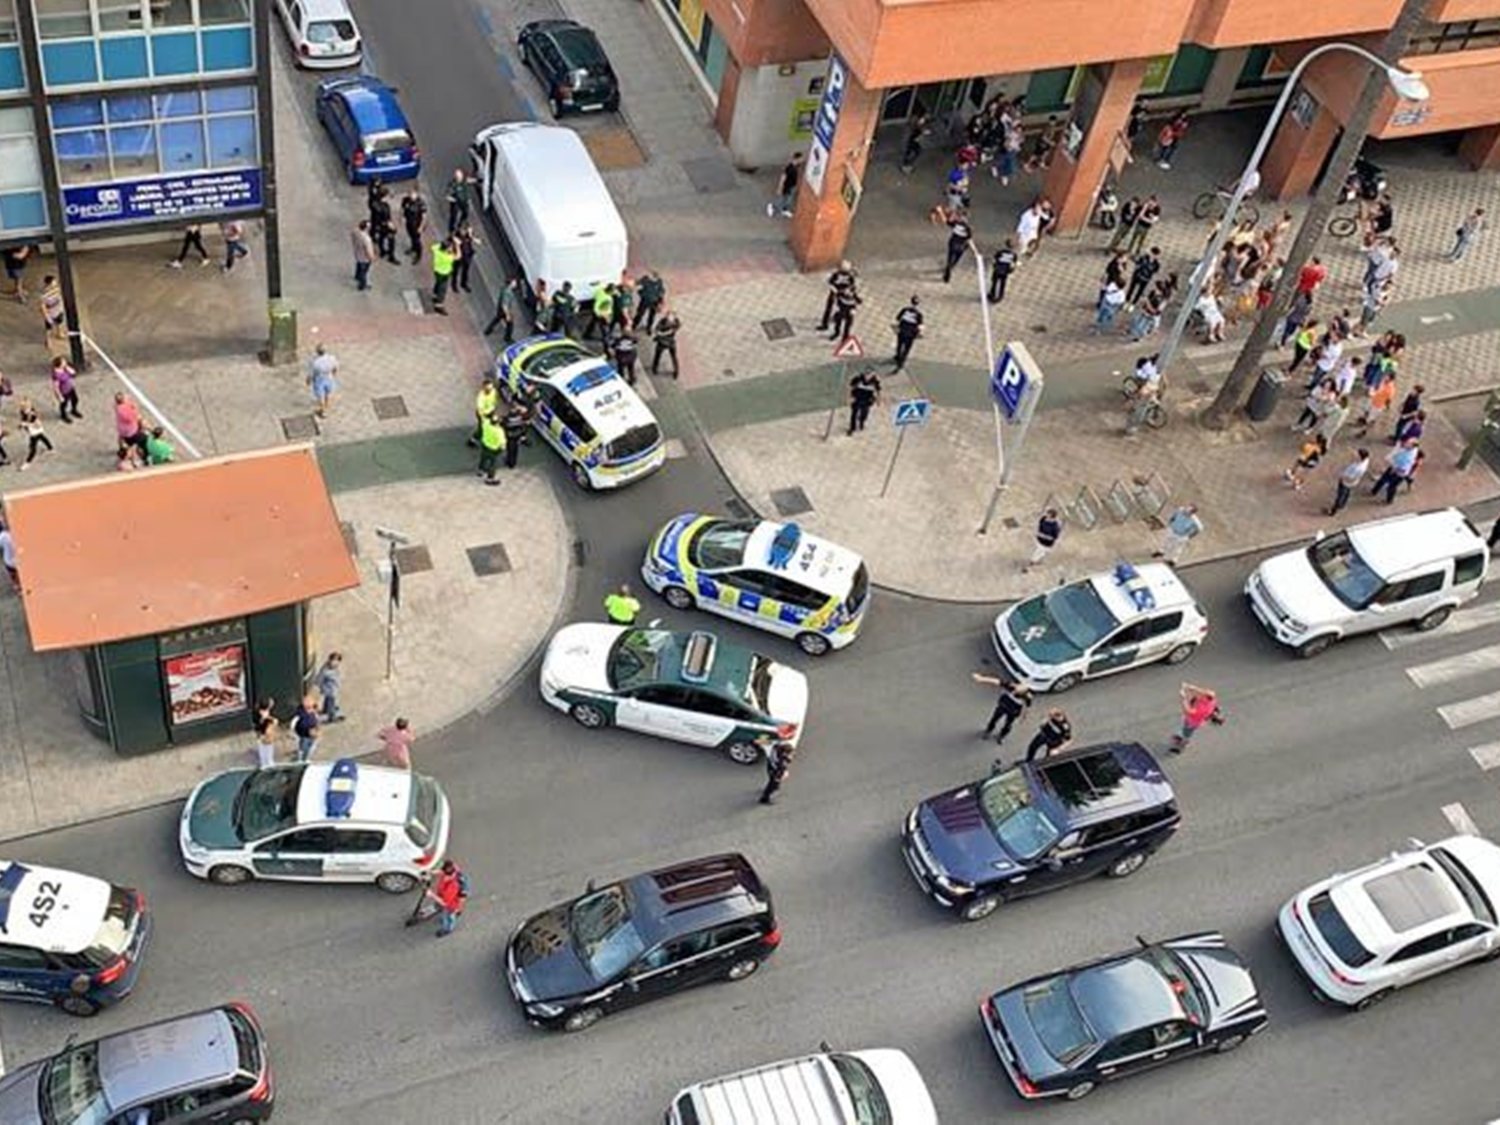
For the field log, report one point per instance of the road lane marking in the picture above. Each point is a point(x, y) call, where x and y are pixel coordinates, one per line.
point(1487, 757)
point(1438, 319)
point(1458, 667)
point(1459, 817)
point(1467, 712)
point(1465, 620)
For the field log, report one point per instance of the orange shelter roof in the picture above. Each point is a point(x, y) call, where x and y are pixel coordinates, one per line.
point(135, 554)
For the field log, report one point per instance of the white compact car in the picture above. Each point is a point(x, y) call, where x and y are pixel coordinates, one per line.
point(1417, 913)
point(323, 33)
point(1408, 570)
point(336, 821)
point(831, 1088)
point(1117, 619)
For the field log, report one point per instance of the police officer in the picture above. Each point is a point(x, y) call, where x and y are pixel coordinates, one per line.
point(1010, 706)
point(1003, 265)
point(908, 328)
point(864, 392)
point(960, 238)
point(844, 304)
point(414, 218)
point(491, 445)
point(839, 280)
point(515, 422)
point(486, 402)
point(1053, 736)
point(664, 336)
point(621, 607)
point(383, 226)
point(564, 304)
point(778, 765)
point(626, 351)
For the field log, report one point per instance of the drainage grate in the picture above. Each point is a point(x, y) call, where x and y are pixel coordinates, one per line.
point(300, 427)
point(791, 501)
point(388, 407)
point(351, 541)
point(778, 329)
point(710, 174)
point(413, 560)
point(489, 559)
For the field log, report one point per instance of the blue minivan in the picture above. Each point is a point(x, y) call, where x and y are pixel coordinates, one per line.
point(369, 129)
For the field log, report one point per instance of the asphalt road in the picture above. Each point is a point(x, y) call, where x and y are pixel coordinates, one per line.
point(1323, 765)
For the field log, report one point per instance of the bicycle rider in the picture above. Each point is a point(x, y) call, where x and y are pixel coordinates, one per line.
point(1146, 395)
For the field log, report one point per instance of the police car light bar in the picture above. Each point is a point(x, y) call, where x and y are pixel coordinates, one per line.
point(784, 546)
point(1130, 581)
point(338, 798)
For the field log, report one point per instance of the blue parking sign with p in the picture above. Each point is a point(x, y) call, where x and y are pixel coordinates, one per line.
point(1008, 384)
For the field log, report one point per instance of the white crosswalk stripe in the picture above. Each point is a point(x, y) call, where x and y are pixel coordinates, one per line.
point(1463, 621)
point(1477, 667)
point(1467, 712)
point(1486, 757)
point(1456, 667)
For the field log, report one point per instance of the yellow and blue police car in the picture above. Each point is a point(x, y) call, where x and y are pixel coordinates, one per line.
point(770, 575)
point(583, 409)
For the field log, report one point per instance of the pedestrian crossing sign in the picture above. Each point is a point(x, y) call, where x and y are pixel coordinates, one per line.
point(913, 411)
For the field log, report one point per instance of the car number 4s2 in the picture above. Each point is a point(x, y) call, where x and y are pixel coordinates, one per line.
point(44, 903)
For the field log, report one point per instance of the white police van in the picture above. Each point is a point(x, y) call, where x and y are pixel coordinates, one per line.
point(316, 821)
point(1106, 623)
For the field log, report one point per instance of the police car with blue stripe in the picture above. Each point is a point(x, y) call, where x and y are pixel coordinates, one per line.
point(1108, 622)
point(583, 409)
point(770, 575)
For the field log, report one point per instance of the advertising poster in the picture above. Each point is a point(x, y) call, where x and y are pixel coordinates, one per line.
point(206, 684)
point(162, 197)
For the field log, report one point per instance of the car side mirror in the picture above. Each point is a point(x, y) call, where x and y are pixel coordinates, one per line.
point(1319, 535)
point(589, 887)
point(825, 1046)
point(1054, 863)
point(633, 984)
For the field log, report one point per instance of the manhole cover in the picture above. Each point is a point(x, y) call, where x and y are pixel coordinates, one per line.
point(778, 329)
point(710, 174)
point(389, 406)
point(413, 560)
point(489, 559)
point(300, 427)
point(351, 541)
point(791, 501)
point(613, 149)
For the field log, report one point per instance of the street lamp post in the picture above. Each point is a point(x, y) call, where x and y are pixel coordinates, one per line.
point(1407, 84)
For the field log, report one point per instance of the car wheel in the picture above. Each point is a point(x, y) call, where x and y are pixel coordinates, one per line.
point(744, 753)
point(588, 715)
point(77, 1005)
point(395, 882)
point(814, 644)
point(1126, 865)
point(1371, 1000)
point(1433, 619)
point(677, 597)
point(742, 969)
point(581, 477)
point(554, 103)
point(1065, 683)
point(981, 907)
point(582, 1019)
point(1315, 647)
point(1180, 653)
point(228, 875)
point(1225, 1045)
point(1082, 1090)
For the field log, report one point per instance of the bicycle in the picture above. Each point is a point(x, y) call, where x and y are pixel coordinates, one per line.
point(1152, 412)
point(1214, 204)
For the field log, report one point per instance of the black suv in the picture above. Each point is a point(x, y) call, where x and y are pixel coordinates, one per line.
point(569, 62)
point(1040, 825)
point(641, 938)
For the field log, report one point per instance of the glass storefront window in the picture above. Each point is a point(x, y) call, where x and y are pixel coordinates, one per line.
point(133, 149)
point(63, 19)
point(135, 136)
point(77, 112)
point(19, 168)
point(228, 99)
point(171, 13)
point(83, 156)
point(231, 141)
point(182, 148)
point(121, 15)
point(223, 11)
point(128, 108)
point(182, 103)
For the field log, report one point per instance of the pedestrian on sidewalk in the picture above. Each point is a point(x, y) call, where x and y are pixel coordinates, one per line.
point(960, 241)
point(864, 393)
point(1143, 272)
point(1335, 414)
point(234, 243)
point(383, 225)
point(1303, 342)
point(1377, 401)
point(1296, 316)
point(1130, 211)
point(1001, 267)
point(444, 258)
point(516, 422)
point(1349, 477)
point(1211, 313)
point(625, 299)
point(307, 727)
point(467, 247)
point(36, 434)
point(1183, 526)
point(1467, 232)
point(621, 606)
point(664, 336)
point(329, 681)
point(1145, 223)
point(1411, 406)
point(65, 389)
point(127, 458)
point(395, 743)
point(1400, 464)
point(564, 307)
point(1199, 705)
point(192, 239)
point(1111, 301)
point(840, 279)
point(1310, 277)
point(457, 198)
point(778, 765)
point(491, 446)
point(627, 351)
point(507, 305)
point(159, 451)
point(267, 727)
point(1010, 705)
point(363, 247)
point(54, 317)
point(1147, 318)
point(843, 313)
point(1169, 138)
point(486, 402)
point(650, 292)
point(601, 312)
point(911, 145)
point(1029, 230)
point(786, 188)
point(322, 372)
point(1053, 737)
point(1372, 302)
point(1308, 458)
point(449, 894)
point(908, 328)
point(1049, 530)
point(16, 259)
point(1413, 428)
point(414, 218)
point(128, 425)
point(8, 556)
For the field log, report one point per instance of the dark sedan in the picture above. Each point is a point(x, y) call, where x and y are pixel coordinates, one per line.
point(1061, 1034)
point(571, 66)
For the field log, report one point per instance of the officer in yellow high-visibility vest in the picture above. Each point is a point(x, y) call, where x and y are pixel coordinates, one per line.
point(491, 445)
point(621, 607)
point(603, 312)
point(486, 402)
point(444, 255)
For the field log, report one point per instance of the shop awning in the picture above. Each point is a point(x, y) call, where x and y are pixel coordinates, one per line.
point(135, 554)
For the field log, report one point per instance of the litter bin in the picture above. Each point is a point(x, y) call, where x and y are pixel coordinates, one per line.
point(282, 348)
point(1267, 391)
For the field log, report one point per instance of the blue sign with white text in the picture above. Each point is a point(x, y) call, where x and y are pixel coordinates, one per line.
point(1008, 384)
point(162, 197)
point(913, 411)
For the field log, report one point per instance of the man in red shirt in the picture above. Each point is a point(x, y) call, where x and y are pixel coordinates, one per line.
point(450, 893)
point(1313, 275)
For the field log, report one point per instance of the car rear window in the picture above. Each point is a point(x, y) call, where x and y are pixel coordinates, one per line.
point(392, 140)
point(422, 815)
point(330, 31)
point(1057, 1020)
point(1336, 932)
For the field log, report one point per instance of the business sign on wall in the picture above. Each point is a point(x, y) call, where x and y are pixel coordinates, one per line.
point(825, 122)
point(162, 197)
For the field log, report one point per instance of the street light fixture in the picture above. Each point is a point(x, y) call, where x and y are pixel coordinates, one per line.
point(1407, 85)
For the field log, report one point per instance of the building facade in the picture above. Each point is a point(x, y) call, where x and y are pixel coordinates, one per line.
point(767, 66)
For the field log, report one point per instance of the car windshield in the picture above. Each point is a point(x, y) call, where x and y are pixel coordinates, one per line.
point(1338, 564)
point(1336, 932)
point(422, 813)
point(1180, 981)
point(633, 442)
point(72, 1093)
point(1467, 885)
point(330, 31)
point(870, 1107)
point(544, 361)
point(1058, 1021)
point(1010, 808)
point(266, 803)
point(1062, 625)
point(635, 658)
point(758, 690)
point(720, 544)
point(603, 933)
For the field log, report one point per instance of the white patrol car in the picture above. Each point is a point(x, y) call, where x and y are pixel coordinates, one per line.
point(584, 410)
point(313, 821)
point(1108, 622)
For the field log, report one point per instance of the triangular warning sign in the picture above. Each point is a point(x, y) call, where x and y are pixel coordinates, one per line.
point(849, 349)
